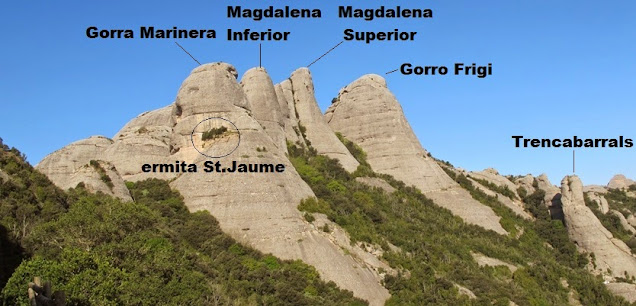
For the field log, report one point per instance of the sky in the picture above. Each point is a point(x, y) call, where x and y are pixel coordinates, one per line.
point(560, 68)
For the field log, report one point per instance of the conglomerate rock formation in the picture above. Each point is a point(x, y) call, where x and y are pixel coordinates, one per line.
point(612, 255)
point(318, 131)
point(366, 113)
point(619, 181)
point(83, 162)
point(261, 209)
point(258, 209)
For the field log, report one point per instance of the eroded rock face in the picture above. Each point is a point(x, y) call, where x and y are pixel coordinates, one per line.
point(527, 183)
point(595, 188)
point(376, 182)
point(99, 176)
point(491, 175)
point(514, 205)
point(69, 166)
point(619, 181)
point(261, 95)
point(624, 223)
point(626, 290)
point(288, 110)
point(589, 234)
point(483, 260)
point(318, 132)
point(258, 209)
point(366, 113)
point(552, 193)
point(143, 140)
point(210, 91)
point(600, 200)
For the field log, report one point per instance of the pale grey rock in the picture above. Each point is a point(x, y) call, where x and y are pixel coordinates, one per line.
point(364, 253)
point(143, 140)
point(288, 110)
point(631, 220)
point(595, 188)
point(259, 209)
point(619, 181)
point(366, 113)
point(63, 162)
point(92, 180)
point(491, 175)
point(515, 205)
point(376, 182)
point(321, 136)
point(69, 166)
point(624, 223)
point(483, 260)
point(626, 290)
point(527, 183)
point(600, 200)
point(261, 95)
point(589, 234)
point(552, 193)
point(465, 291)
point(210, 91)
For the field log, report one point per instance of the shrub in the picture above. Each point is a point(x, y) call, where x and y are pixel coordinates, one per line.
point(213, 133)
point(309, 217)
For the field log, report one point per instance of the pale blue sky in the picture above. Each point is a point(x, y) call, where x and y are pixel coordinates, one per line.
point(561, 68)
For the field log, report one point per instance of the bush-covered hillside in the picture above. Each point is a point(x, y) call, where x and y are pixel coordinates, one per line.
point(435, 247)
point(101, 251)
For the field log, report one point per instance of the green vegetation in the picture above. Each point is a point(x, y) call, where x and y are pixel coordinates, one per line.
point(213, 133)
point(503, 190)
point(364, 169)
point(102, 174)
point(27, 199)
point(99, 250)
point(142, 130)
point(152, 251)
point(309, 217)
point(434, 246)
point(612, 222)
point(619, 200)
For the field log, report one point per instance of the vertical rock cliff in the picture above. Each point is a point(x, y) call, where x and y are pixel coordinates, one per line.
point(261, 95)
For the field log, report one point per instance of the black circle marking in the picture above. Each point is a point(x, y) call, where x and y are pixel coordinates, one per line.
point(232, 123)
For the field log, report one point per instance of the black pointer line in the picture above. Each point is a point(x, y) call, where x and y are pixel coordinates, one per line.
point(184, 50)
point(336, 46)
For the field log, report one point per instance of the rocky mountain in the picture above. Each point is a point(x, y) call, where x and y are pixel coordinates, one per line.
point(258, 209)
point(619, 181)
point(612, 255)
point(366, 113)
point(351, 204)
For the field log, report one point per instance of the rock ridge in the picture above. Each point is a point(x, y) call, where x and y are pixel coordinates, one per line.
point(612, 255)
point(368, 114)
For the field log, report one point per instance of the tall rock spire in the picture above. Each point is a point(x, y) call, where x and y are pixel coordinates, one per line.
point(588, 233)
point(261, 95)
point(318, 132)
